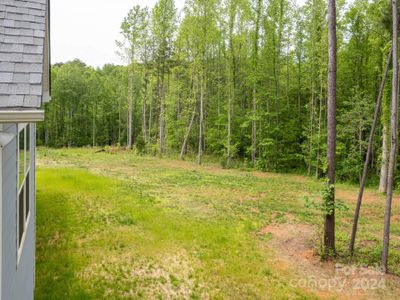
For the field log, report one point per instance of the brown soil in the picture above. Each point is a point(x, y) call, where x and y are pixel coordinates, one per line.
point(296, 252)
point(348, 195)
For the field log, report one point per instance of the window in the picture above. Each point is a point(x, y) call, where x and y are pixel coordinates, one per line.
point(24, 158)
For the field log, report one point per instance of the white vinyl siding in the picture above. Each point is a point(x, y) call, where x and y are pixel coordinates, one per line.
point(17, 267)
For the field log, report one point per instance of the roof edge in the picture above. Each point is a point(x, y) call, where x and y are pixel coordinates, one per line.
point(21, 116)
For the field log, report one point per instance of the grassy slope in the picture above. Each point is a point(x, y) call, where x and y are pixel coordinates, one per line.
point(122, 226)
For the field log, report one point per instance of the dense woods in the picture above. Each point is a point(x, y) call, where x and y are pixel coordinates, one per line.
point(244, 80)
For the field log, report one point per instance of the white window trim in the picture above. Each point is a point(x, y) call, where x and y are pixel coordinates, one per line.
point(27, 176)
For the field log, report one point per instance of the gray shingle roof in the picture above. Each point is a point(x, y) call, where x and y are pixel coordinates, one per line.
point(22, 42)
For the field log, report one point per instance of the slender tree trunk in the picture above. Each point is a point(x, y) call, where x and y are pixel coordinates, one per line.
point(319, 136)
point(255, 61)
point(329, 237)
point(310, 146)
point(134, 109)
point(178, 108)
point(254, 128)
point(162, 114)
point(299, 90)
point(219, 100)
point(70, 128)
point(150, 112)
point(94, 125)
point(278, 49)
point(385, 120)
point(368, 155)
point(229, 127)
point(287, 77)
point(201, 120)
point(127, 127)
point(321, 95)
point(393, 144)
point(144, 129)
point(130, 111)
point(385, 160)
point(231, 81)
point(187, 134)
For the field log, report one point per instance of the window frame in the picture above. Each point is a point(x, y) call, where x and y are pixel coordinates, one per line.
point(23, 187)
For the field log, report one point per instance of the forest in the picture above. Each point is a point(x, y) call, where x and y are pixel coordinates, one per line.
point(242, 80)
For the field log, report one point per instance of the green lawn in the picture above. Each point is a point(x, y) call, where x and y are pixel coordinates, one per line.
point(120, 226)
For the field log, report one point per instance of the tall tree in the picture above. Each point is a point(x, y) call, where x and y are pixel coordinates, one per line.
point(369, 153)
point(163, 26)
point(393, 139)
point(257, 19)
point(132, 29)
point(145, 55)
point(329, 236)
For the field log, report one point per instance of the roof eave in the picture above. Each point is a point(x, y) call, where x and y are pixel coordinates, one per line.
point(21, 116)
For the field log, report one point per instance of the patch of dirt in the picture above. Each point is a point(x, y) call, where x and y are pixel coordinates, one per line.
point(294, 245)
point(350, 196)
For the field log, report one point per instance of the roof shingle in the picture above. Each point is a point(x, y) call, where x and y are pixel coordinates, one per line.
point(22, 41)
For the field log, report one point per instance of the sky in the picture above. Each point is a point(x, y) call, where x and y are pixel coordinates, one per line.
point(87, 29)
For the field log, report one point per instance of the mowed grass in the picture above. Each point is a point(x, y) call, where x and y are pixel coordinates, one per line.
point(120, 226)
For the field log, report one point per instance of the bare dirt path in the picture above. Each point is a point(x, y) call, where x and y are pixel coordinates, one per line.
point(294, 245)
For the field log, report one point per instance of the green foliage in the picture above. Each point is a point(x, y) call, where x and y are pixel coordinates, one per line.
point(327, 205)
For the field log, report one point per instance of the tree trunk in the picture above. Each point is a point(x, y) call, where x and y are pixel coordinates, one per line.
point(319, 137)
point(299, 90)
point(201, 120)
point(255, 60)
point(229, 128)
point(288, 60)
point(94, 125)
point(254, 128)
point(319, 125)
point(162, 114)
point(329, 238)
point(69, 127)
point(150, 112)
point(310, 146)
point(130, 111)
point(385, 160)
point(393, 144)
point(119, 121)
point(368, 155)
point(144, 129)
point(187, 134)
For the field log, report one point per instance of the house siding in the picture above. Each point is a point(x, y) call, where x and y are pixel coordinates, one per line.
point(17, 276)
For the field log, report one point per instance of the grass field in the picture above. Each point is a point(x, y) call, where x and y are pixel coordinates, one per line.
point(120, 226)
